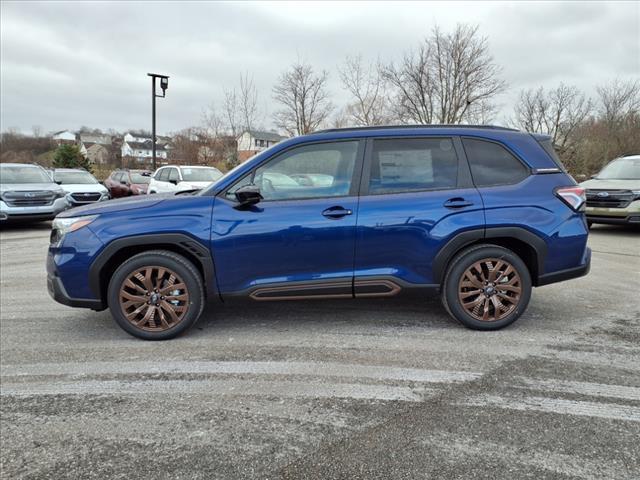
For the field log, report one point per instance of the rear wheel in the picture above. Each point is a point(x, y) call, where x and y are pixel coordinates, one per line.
point(156, 295)
point(486, 287)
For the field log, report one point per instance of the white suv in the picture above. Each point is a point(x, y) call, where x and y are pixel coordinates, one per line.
point(174, 178)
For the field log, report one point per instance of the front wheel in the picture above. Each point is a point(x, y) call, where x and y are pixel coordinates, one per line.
point(486, 287)
point(156, 295)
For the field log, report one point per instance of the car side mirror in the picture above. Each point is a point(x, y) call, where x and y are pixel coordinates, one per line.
point(593, 176)
point(58, 182)
point(248, 195)
point(123, 182)
point(175, 182)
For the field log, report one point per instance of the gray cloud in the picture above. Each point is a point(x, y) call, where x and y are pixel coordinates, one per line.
point(69, 64)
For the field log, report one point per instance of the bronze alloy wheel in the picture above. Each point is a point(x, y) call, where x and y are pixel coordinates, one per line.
point(154, 299)
point(490, 289)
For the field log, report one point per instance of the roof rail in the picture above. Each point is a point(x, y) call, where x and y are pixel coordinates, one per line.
point(388, 127)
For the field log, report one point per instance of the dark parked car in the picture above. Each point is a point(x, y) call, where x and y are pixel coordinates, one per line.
point(479, 214)
point(124, 183)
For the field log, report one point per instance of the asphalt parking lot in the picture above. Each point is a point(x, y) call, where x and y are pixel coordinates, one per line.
point(334, 389)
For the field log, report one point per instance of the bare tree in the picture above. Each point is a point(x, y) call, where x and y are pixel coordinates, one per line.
point(366, 85)
point(248, 102)
point(618, 100)
point(449, 79)
point(558, 112)
point(304, 99)
point(231, 109)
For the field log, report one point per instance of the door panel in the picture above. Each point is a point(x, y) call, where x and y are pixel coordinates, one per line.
point(399, 235)
point(281, 242)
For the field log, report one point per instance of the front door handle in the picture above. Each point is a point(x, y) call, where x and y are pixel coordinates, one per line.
point(457, 202)
point(336, 212)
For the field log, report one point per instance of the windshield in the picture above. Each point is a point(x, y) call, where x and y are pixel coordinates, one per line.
point(67, 178)
point(139, 178)
point(23, 174)
point(621, 169)
point(208, 174)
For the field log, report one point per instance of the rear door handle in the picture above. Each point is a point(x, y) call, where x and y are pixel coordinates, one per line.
point(457, 202)
point(336, 212)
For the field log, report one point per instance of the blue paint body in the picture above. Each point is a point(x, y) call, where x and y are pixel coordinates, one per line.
point(396, 235)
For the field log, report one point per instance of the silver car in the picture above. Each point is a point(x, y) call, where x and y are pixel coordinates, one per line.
point(27, 192)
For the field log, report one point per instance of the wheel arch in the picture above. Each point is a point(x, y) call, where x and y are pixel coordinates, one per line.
point(117, 251)
point(528, 246)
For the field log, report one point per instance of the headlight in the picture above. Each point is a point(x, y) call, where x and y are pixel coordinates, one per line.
point(60, 193)
point(636, 194)
point(67, 225)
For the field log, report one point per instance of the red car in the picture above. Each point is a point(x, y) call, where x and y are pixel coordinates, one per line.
point(123, 183)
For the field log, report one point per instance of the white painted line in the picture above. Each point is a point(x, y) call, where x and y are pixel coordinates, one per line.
point(557, 405)
point(584, 388)
point(219, 388)
point(322, 369)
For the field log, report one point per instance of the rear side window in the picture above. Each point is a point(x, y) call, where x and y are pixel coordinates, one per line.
point(548, 147)
point(117, 176)
point(492, 164)
point(413, 164)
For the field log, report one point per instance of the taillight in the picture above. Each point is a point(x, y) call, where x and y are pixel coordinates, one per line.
point(575, 197)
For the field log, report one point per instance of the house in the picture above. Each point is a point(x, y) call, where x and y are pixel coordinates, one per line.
point(100, 139)
point(64, 136)
point(141, 149)
point(97, 153)
point(251, 142)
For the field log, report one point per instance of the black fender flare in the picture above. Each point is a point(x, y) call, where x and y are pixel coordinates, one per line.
point(462, 239)
point(180, 242)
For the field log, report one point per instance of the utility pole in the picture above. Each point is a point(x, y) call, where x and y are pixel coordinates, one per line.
point(164, 84)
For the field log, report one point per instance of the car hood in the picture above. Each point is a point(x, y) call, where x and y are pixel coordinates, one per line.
point(29, 187)
point(119, 205)
point(83, 187)
point(597, 184)
point(195, 184)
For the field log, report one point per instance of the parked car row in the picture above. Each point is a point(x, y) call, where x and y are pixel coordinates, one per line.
point(31, 192)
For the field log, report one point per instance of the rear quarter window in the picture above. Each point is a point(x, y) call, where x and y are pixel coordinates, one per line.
point(492, 164)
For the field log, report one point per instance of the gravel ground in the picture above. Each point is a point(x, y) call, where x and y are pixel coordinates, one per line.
point(334, 389)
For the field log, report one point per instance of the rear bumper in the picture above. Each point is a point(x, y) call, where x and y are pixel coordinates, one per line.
point(567, 274)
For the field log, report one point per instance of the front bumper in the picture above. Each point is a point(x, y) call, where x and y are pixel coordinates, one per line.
point(33, 213)
point(615, 216)
point(633, 219)
point(59, 293)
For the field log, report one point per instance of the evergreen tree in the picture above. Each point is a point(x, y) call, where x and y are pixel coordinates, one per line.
point(69, 156)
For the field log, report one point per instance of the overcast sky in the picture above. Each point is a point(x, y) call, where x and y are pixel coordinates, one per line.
point(67, 64)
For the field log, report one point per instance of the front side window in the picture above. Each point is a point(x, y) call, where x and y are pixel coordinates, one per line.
point(310, 171)
point(201, 174)
point(412, 164)
point(163, 175)
point(492, 164)
point(174, 176)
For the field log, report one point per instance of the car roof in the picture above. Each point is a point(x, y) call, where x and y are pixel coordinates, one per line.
point(70, 170)
point(417, 127)
point(21, 165)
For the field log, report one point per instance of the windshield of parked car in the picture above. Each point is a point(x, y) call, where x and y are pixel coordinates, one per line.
point(139, 178)
point(200, 174)
point(621, 169)
point(23, 174)
point(68, 178)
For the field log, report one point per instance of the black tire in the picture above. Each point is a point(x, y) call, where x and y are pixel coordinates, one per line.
point(173, 263)
point(452, 289)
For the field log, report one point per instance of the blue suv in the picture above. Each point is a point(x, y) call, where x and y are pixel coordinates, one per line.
point(479, 214)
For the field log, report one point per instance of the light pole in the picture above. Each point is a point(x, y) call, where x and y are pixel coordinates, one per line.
point(164, 84)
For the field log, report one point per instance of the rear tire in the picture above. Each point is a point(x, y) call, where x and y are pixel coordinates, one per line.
point(156, 295)
point(486, 287)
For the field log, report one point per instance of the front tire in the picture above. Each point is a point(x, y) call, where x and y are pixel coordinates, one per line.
point(156, 295)
point(486, 287)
